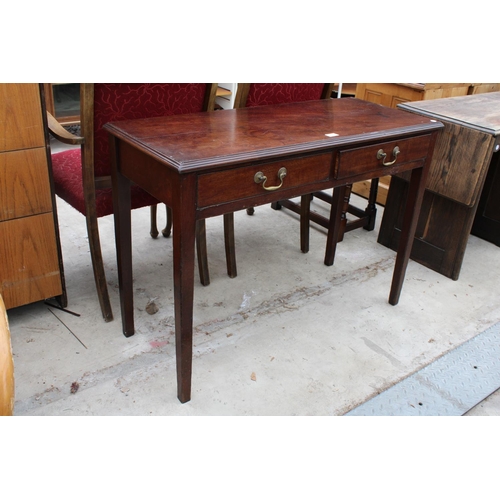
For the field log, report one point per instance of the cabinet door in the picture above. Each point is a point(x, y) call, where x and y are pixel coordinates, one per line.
point(25, 185)
point(388, 94)
point(21, 123)
point(29, 260)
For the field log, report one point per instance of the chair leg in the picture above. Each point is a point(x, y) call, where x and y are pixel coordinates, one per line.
point(336, 222)
point(345, 209)
point(201, 251)
point(153, 227)
point(371, 209)
point(98, 267)
point(168, 226)
point(201, 244)
point(305, 213)
point(201, 248)
point(229, 244)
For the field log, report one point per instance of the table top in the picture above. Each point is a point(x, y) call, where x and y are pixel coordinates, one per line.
point(199, 141)
point(480, 112)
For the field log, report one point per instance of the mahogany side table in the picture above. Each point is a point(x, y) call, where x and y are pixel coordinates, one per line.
point(208, 164)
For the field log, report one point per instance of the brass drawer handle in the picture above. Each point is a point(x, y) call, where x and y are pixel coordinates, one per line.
point(381, 156)
point(260, 177)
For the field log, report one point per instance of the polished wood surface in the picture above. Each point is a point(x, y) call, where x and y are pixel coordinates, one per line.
point(182, 160)
point(30, 252)
point(202, 142)
point(464, 154)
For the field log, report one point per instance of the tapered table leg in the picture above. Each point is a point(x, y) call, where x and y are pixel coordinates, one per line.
point(201, 252)
point(305, 216)
point(410, 220)
point(230, 245)
point(184, 229)
point(123, 240)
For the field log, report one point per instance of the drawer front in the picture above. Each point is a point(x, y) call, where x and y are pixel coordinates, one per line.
point(24, 184)
point(30, 262)
point(362, 160)
point(21, 124)
point(240, 183)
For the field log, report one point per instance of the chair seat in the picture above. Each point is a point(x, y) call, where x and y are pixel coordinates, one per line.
point(68, 183)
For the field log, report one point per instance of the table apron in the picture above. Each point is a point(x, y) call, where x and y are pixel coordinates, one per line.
point(315, 172)
point(270, 197)
point(153, 176)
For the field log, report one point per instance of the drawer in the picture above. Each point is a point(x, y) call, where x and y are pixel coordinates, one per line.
point(239, 183)
point(363, 160)
point(30, 262)
point(21, 124)
point(24, 183)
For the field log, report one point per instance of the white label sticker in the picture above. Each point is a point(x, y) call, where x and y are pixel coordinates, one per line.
point(332, 135)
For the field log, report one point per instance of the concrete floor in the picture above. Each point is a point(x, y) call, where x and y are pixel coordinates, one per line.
point(288, 336)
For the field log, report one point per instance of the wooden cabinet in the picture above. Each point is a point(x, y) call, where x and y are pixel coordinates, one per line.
point(392, 94)
point(481, 88)
point(30, 253)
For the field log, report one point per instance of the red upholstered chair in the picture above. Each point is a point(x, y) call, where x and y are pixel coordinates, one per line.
point(82, 176)
point(262, 94)
point(259, 94)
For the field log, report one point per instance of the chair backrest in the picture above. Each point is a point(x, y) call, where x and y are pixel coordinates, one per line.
point(6, 365)
point(260, 94)
point(104, 102)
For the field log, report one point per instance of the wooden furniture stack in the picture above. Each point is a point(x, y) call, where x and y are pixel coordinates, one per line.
point(30, 254)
